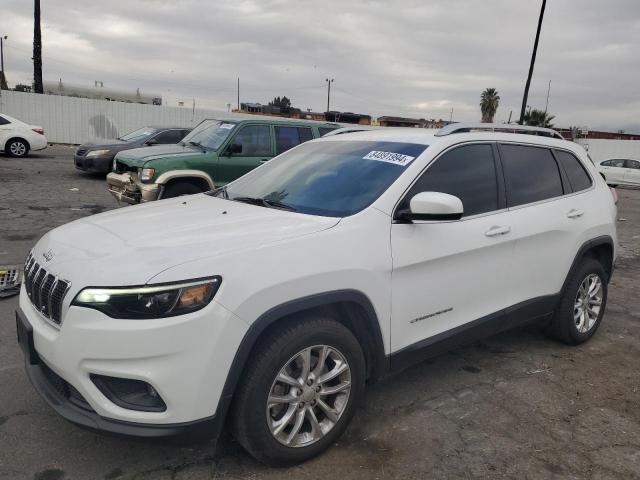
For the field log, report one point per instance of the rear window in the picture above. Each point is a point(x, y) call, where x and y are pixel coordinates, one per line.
point(4, 121)
point(578, 177)
point(531, 174)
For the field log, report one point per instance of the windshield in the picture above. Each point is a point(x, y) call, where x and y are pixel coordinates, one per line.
point(209, 134)
point(139, 134)
point(335, 178)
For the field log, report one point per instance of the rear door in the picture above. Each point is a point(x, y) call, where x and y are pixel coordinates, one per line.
point(255, 146)
point(613, 170)
point(547, 219)
point(5, 131)
point(449, 273)
point(632, 172)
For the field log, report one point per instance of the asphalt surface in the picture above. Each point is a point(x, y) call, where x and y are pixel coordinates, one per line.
point(517, 405)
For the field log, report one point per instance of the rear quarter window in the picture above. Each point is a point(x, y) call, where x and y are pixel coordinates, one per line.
point(578, 177)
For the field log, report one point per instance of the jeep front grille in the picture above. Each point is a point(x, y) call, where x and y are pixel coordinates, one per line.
point(44, 289)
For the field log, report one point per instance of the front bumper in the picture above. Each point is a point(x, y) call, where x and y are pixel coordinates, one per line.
point(185, 359)
point(93, 164)
point(125, 187)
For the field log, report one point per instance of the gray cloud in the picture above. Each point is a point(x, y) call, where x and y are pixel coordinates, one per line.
point(407, 57)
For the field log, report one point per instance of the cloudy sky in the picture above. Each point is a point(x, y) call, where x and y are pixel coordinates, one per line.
point(403, 57)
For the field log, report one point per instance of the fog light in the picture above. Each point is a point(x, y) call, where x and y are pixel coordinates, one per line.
point(130, 394)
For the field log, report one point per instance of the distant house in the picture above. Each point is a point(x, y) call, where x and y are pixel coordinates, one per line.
point(347, 117)
point(386, 121)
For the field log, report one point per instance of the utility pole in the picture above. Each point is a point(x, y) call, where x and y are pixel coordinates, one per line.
point(37, 49)
point(533, 61)
point(546, 105)
point(238, 93)
point(329, 82)
point(451, 116)
point(3, 78)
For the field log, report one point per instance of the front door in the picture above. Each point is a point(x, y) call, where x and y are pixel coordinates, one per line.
point(448, 273)
point(632, 172)
point(253, 147)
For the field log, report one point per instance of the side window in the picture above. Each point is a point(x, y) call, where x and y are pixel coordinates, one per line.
point(305, 134)
point(467, 172)
point(255, 140)
point(184, 133)
point(614, 163)
point(531, 174)
point(4, 121)
point(324, 130)
point(633, 164)
point(169, 136)
point(286, 138)
point(578, 177)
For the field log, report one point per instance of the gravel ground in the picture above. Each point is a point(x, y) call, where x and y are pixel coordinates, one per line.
point(514, 406)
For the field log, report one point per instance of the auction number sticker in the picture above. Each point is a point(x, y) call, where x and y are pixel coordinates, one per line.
point(227, 126)
point(389, 157)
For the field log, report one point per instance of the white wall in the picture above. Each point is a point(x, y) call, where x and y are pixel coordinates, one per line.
point(76, 120)
point(601, 149)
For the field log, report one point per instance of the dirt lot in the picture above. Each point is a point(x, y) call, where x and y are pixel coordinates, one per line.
point(514, 406)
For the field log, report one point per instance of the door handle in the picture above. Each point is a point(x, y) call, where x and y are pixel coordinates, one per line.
point(575, 213)
point(497, 230)
point(264, 160)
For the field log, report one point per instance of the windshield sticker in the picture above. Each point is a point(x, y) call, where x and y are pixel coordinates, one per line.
point(227, 126)
point(389, 157)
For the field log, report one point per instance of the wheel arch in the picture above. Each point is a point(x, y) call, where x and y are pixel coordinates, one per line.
point(181, 175)
point(352, 308)
point(599, 248)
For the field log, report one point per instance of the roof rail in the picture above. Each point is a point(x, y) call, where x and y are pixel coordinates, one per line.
point(497, 127)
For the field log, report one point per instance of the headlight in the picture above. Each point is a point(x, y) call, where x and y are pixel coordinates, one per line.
point(150, 301)
point(146, 174)
point(97, 153)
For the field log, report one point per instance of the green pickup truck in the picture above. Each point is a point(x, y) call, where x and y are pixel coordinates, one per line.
point(213, 154)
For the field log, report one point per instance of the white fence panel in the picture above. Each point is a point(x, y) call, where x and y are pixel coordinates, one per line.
point(76, 120)
point(601, 149)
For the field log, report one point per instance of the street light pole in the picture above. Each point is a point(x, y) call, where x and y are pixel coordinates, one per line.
point(329, 82)
point(533, 62)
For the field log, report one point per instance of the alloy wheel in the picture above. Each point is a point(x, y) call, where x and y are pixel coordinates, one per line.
point(588, 303)
point(308, 396)
point(18, 149)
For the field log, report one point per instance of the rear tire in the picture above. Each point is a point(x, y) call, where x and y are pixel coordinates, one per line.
point(16, 147)
point(178, 189)
point(582, 305)
point(264, 402)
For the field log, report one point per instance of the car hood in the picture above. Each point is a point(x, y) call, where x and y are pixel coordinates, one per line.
point(129, 246)
point(103, 143)
point(136, 157)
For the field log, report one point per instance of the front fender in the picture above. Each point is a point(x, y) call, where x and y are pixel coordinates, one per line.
point(164, 178)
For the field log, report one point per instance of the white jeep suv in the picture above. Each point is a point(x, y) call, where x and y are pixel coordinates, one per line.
point(267, 304)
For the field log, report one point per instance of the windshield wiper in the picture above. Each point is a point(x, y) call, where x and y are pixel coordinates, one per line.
point(216, 191)
point(264, 202)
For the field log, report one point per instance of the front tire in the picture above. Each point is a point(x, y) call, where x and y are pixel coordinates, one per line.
point(299, 391)
point(582, 305)
point(16, 148)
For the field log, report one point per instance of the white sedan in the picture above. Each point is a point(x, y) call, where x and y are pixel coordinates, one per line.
point(17, 138)
point(620, 171)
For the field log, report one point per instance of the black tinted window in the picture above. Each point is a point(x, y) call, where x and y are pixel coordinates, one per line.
point(4, 121)
point(324, 130)
point(633, 164)
point(169, 136)
point(289, 137)
point(578, 177)
point(468, 173)
point(255, 140)
point(531, 174)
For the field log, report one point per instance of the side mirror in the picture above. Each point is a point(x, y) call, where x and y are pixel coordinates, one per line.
point(234, 148)
point(151, 142)
point(433, 206)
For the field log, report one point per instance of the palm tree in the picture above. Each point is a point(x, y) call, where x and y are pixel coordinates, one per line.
point(538, 118)
point(489, 100)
